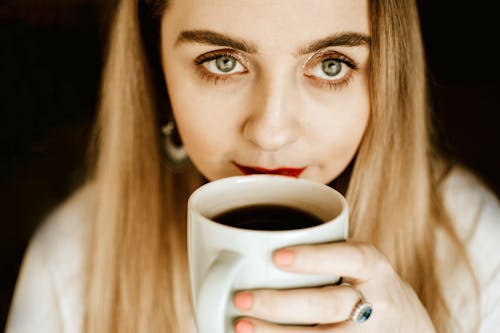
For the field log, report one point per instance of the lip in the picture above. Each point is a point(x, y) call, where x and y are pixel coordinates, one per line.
point(284, 171)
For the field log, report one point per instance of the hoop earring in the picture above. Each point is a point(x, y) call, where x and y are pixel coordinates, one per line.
point(175, 156)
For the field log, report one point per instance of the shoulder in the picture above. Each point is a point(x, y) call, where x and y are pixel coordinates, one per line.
point(49, 289)
point(59, 242)
point(475, 212)
point(470, 203)
point(64, 231)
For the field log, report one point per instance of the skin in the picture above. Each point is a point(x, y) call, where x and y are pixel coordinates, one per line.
point(272, 115)
point(276, 107)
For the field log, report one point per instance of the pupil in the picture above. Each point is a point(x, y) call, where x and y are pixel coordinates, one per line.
point(331, 67)
point(225, 64)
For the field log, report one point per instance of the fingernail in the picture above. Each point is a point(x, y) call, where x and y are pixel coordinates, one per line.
point(243, 300)
point(283, 257)
point(243, 326)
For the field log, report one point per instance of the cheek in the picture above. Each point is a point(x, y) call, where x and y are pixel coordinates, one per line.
point(200, 130)
point(350, 125)
point(207, 123)
point(341, 129)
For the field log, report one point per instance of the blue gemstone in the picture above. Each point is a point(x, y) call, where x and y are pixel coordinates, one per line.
point(365, 314)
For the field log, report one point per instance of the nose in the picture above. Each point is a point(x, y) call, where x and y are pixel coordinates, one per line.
point(272, 122)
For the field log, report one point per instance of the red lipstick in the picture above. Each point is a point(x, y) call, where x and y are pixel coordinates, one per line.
point(290, 172)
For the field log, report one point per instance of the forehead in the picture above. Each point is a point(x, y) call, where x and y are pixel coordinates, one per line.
point(269, 23)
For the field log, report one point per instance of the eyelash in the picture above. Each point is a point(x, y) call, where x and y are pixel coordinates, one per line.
point(211, 77)
point(320, 83)
point(333, 84)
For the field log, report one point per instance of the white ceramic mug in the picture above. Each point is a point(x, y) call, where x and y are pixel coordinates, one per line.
point(225, 259)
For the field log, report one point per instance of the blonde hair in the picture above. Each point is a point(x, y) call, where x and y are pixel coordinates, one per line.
point(137, 263)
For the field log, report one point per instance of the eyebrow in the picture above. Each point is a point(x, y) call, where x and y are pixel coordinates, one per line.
point(348, 39)
point(214, 38)
point(208, 37)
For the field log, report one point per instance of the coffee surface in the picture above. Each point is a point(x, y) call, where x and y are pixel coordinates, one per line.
point(268, 217)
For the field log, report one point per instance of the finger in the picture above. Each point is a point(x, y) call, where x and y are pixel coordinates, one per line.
point(356, 260)
point(252, 325)
point(323, 305)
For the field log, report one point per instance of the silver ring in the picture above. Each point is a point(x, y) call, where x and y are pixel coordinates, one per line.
point(362, 310)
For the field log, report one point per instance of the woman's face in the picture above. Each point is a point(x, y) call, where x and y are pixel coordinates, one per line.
point(268, 86)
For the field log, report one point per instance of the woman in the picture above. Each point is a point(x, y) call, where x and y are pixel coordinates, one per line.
point(330, 90)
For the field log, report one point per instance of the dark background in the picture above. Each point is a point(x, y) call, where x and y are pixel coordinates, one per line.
point(51, 53)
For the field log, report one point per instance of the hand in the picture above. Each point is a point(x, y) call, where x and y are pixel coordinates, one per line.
point(396, 307)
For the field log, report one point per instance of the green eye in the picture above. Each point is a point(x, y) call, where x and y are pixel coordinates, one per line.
point(331, 67)
point(221, 63)
point(225, 64)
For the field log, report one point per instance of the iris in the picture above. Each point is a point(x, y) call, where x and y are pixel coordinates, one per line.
point(225, 64)
point(331, 67)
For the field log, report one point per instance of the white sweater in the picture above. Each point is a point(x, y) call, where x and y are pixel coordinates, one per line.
point(49, 291)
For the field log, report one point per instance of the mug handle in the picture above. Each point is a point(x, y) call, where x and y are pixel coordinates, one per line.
point(214, 293)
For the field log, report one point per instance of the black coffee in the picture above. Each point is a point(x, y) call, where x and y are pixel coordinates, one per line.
point(268, 217)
